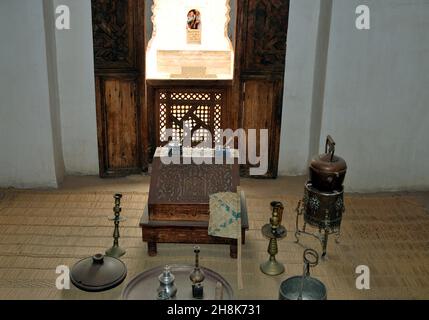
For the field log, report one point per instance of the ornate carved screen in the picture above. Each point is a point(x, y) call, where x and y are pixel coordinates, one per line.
point(200, 109)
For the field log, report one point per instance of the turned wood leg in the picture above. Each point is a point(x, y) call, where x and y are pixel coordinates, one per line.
point(233, 250)
point(151, 248)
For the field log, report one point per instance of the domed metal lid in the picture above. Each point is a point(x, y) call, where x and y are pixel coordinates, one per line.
point(166, 277)
point(312, 289)
point(98, 273)
point(329, 162)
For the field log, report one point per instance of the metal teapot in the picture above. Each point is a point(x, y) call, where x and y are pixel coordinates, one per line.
point(167, 289)
point(327, 171)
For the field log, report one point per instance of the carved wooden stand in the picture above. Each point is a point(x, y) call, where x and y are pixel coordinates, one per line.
point(178, 204)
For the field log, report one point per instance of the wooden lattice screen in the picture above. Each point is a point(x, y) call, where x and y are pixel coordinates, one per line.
point(199, 108)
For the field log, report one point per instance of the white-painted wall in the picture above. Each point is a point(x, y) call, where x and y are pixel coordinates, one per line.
point(301, 61)
point(77, 90)
point(54, 95)
point(47, 95)
point(27, 157)
point(376, 93)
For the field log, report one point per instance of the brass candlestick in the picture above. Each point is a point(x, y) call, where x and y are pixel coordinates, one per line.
point(278, 207)
point(116, 251)
point(197, 277)
point(274, 231)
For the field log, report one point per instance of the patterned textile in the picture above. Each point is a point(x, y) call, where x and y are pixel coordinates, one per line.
point(225, 215)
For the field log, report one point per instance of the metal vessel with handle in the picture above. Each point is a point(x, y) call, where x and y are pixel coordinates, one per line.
point(304, 287)
point(327, 171)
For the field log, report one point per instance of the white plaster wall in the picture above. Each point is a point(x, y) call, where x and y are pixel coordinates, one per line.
point(77, 90)
point(54, 98)
point(374, 94)
point(299, 86)
point(26, 142)
point(374, 101)
point(377, 94)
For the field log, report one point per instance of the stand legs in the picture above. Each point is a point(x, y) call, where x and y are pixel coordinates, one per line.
point(297, 231)
point(233, 251)
point(152, 249)
point(325, 243)
point(337, 237)
point(322, 236)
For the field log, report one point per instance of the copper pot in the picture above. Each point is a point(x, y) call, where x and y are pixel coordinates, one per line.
point(327, 171)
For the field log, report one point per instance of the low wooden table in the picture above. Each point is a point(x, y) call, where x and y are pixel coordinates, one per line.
point(178, 205)
point(173, 231)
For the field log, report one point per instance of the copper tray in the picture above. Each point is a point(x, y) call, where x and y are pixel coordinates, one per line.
point(144, 285)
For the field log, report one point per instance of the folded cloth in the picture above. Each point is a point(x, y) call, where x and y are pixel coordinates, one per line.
point(225, 215)
point(225, 222)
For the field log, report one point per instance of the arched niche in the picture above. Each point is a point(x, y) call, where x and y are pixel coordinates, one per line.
point(190, 40)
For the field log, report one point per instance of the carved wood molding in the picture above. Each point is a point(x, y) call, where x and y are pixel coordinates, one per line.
point(265, 36)
point(113, 33)
point(191, 183)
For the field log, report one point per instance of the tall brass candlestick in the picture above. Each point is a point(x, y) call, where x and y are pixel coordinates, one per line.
point(116, 251)
point(197, 277)
point(274, 231)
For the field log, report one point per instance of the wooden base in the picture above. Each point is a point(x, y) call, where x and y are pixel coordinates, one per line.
point(152, 249)
point(154, 232)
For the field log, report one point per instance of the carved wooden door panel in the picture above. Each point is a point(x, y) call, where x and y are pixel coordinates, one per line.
point(260, 65)
point(118, 33)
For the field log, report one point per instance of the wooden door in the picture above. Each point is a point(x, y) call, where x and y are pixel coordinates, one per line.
point(259, 69)
point(119, 53)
